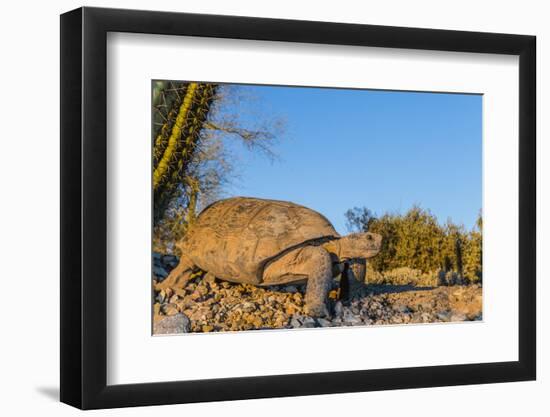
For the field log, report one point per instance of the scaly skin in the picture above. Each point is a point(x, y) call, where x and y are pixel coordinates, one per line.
point(179, 276)
point(311, 263)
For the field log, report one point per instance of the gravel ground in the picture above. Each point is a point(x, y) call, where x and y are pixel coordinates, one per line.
point(207, 304)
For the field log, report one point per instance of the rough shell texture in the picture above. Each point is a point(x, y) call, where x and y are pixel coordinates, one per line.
point(234, 238)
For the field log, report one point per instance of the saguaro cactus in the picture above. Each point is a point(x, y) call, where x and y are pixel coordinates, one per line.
point(181, 110)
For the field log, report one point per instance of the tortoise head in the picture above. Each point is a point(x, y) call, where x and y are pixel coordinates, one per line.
point(362, 245)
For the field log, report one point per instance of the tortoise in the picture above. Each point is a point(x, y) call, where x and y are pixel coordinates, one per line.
point(269, 242)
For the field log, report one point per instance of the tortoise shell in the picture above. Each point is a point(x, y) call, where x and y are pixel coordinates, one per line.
point(234, 238)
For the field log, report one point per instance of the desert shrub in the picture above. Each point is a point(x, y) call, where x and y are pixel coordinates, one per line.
point(473, 254)
point(402, 276)
point(416, 248)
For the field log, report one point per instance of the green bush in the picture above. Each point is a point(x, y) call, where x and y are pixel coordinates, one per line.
point(416, 248)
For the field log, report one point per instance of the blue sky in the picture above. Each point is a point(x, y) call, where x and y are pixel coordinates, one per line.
point(383, 150)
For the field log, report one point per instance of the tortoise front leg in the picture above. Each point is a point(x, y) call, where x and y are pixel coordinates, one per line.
point(179, 276)
point(319, 265)
point(311, 263)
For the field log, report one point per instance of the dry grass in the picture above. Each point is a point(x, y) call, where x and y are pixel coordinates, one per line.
point(404, 276)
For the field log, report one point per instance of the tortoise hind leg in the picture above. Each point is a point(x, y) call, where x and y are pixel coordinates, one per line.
point(310, 262)
point(179, 276)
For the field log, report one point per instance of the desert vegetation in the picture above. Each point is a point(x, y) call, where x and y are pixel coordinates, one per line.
point(192, 125)
point(418, 250)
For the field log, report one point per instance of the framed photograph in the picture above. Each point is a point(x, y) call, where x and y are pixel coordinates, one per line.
point(282, 208)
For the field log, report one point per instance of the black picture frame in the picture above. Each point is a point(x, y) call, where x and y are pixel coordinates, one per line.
point(84, 207)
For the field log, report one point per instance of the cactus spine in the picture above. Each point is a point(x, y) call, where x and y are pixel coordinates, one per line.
point(183, 108)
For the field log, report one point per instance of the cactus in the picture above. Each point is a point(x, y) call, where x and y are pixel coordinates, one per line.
point(181, 111)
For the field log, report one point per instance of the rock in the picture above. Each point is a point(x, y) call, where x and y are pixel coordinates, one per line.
point(169, 292)
point(291, 309)
point(338, 309)
point(212, 305)
point(324, 323)
point(156, 309)
point(295, 323)
point(175, 324)
point(308, 322)
point(458, 317)
point(425, 318)
point(170, 309)
point(248, 307)
point(351, 319)
point(444, 315)
point(196, 295)
point(401, 308)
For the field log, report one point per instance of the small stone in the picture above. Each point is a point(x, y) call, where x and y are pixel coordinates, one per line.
point(339, 309)
point(202, 290)
point(156, 309)
point(351, 319)
point(297, 298)
point(295, 323)
point(178, 323)
point(248, 307)
point(170, 309)
point(207, 328)
point(458, 317)
point(402, 308)
point(426, 318)
point(180, 292)
point(291, 289)
point(323, 323)
point(308, 322)
point(444, 315)
point(291, 309)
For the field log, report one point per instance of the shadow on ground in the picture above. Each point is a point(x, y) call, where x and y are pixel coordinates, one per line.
point(394, 289)
point(50, 392)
